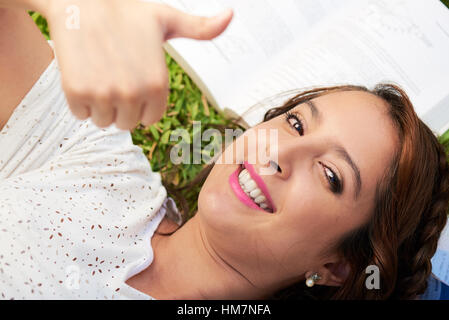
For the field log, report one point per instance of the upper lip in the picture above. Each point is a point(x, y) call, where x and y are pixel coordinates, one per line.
point(260, 183)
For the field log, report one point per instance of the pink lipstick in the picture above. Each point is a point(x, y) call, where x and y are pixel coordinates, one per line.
point(259, 182)
point(244, 196)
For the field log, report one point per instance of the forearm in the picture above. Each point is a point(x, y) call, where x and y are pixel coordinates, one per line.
point(24, 54)
point(34, 5)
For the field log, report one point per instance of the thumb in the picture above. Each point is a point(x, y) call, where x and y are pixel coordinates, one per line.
point(179, 24)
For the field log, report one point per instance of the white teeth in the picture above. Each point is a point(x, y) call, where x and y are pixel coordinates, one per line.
point(244, 176)
point(250, 187)
point(260, 199)
point(256, 192)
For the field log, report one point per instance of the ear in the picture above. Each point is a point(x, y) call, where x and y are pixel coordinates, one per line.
point(338, 272)
point(332, 274)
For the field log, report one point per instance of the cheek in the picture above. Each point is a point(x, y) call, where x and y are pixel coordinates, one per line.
point(209, 199)
point(214, 204)
point(311, 222)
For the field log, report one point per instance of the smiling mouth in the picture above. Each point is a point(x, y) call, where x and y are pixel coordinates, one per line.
point(254, 188)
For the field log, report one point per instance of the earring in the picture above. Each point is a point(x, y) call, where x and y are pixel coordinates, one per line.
point(310, 282)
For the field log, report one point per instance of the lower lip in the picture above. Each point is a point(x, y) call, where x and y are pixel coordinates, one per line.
point(238, 191)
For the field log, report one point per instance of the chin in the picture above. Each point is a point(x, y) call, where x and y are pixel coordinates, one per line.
point(215, 206)
point(212, 202)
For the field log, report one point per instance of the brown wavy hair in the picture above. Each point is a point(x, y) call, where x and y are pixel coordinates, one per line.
point(410, 211)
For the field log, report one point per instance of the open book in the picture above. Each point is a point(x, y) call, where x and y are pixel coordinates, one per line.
point(275, 46)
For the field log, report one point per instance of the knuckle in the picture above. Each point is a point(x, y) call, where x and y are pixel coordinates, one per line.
point(101, 111)
point(78, 92)
point(114, 93)
point(130, 95)
point(158, 85)
point(103, 120)
point(152, 115)
point(104, 96)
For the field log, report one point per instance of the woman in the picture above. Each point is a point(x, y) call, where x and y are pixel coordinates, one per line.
point(359, 181)
point(343, 199)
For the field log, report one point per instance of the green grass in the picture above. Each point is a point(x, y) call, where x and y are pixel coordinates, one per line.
point(446, 2)
point(186, 104)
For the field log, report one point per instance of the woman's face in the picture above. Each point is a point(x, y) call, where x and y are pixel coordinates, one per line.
point(331, 154)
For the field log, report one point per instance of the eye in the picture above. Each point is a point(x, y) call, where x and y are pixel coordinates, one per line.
point(294, 122)
point(334, 182)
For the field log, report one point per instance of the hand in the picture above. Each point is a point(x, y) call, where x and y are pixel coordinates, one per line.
point(113, 66)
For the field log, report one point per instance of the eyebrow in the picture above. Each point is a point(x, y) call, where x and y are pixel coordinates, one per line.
point(316, 114)
point(341, 151)
point(355, 169)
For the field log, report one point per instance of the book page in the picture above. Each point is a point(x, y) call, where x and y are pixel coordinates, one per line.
point(403, 42)
point(259, 31)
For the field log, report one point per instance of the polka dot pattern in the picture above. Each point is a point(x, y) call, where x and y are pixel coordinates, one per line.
point(78, 204)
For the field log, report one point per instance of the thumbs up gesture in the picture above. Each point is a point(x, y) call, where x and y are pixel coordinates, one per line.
point(111, 57)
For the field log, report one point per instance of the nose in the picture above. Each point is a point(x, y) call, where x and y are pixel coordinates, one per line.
point(275, 166)
point(292, 152)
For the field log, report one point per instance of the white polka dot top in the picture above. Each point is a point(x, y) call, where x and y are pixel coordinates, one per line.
point(78, 204)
